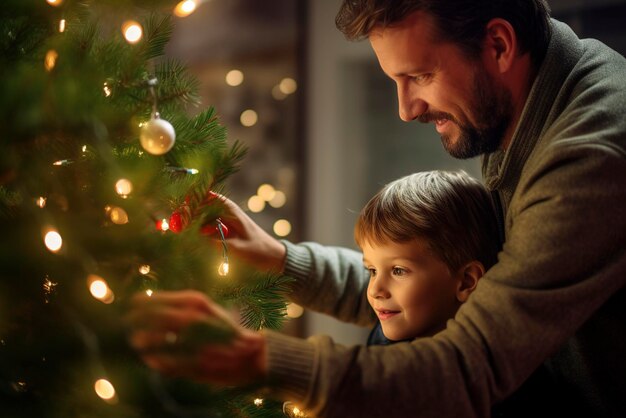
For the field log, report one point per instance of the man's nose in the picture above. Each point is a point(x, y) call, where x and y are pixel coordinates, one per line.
point(410, 105)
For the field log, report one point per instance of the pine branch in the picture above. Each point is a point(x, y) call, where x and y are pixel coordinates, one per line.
point(263, 302)
point(158, 31)
point(9, 200)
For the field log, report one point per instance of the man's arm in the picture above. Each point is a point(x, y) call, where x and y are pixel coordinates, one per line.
point(563, 259)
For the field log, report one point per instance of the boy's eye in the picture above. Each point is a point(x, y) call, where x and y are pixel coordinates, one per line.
point(372, 272)
point(398, 271)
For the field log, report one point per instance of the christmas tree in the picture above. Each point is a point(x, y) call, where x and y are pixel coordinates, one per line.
point(104, 192)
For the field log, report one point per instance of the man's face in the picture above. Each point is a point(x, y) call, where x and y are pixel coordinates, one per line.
point(437, 83)
point(411, 290)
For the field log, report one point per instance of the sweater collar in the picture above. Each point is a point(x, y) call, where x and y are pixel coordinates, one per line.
point(502, 169)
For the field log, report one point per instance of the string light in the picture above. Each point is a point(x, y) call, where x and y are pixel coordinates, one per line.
point(105, 390)
point(149, 292)
point(99, 289)
point(266, 192)
point(54, 2)
point(288, 85)
point(224, 267)
point(184, 170)
point(277, 93)
point(53, 240)
point(51, 59)
point(144, 269)
point(123, 187)
point(62, 25)
point(291, 410)
point(278, 200)
point(185, 8)
point(133, 32)
point(107, 90)
point(294, 310)
point(41, 202)
point(48, 288)
point(256, 204)
point(234, 78)
point(282, 227)
point(163, 225)
point(117, 215)
point(248, 118)
point(60, 163)
point(84, 149)
point(258, 402)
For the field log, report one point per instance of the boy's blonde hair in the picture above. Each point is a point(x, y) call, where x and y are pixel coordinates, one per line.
point(452, 211)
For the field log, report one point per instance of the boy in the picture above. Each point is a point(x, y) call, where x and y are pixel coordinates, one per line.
point(426, 240)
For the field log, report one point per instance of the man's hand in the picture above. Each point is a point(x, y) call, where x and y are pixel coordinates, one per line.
point(185, 334)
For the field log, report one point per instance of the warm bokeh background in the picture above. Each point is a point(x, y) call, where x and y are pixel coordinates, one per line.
point(336, 139)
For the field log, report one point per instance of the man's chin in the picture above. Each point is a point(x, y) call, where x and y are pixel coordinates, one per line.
point(459, 149)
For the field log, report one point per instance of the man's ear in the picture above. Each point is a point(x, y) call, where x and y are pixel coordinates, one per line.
point(470, 273)
point(500, 44)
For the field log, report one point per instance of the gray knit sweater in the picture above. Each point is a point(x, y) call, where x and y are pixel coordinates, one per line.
point(556, 293)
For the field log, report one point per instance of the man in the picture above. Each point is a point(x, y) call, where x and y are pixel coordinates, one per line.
point(545, 109)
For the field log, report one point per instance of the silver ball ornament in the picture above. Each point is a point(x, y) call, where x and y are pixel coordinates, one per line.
point(157, 136)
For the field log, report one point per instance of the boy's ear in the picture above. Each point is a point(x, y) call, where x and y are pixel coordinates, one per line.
point(470, 273)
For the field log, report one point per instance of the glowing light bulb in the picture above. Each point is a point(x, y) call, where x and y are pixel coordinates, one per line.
point(294, 310)
point(53, 241)
point(105, 390)
point(288, 85)
point(123, 187)
point(51, 59)
point(278, 200)
point(258, 401)
point(62, 25)
point(185, 8)
point(99, 289)
point(54, 2)
point(256, 204)
point(133, 32)
point(277, 93)
point(144, 269)
point(84, 149)
point(149, 292)
point(234, 78)
point(41, 201)
point(223, 269)
point(165, 225)
point(282, 227)
point(266, 192)
point(107, 89)
point(248, 118)
point(118, 215)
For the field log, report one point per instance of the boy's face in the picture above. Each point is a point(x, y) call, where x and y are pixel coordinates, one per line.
point(411, 290)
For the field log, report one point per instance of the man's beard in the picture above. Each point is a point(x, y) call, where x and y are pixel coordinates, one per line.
point(493, 108)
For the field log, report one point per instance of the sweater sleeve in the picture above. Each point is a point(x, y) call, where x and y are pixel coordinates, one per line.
point(564, 257)
point(330, 280)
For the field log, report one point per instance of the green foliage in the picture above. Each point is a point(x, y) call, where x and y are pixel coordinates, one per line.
point(70, 132)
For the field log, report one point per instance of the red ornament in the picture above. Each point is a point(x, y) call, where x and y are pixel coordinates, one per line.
point(176, 222)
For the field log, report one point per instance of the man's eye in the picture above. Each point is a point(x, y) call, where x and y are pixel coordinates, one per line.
point(421, 78)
